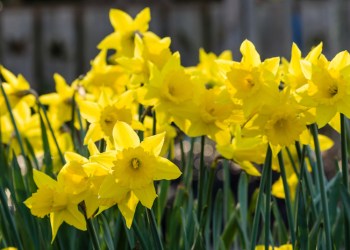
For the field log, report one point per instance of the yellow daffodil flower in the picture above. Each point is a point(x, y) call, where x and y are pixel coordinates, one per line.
point(105, 113)
point(125, 29)
point(212, 69)
point(28, 127)
point(16, 88)
point(136, 166)
point(148, 49)
point(244, 151)
point(252, 81)
point(328, 88)
point(282, 247)
point(51, 199)
point(104, 76)
point(168, 89)
point(83, 177)
point(60, 102)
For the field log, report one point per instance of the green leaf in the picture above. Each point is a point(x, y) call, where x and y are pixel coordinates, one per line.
point(229, 231)
point(46, 147)
point(282, 232)
point(217, 218)
point(302, 227)
point(106, 232)
point(314, 233)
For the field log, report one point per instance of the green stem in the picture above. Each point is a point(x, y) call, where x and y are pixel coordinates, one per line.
point(155, 233)
point(290, 156)
point(268, 206)
point(8, 105)
point(321, 177)
point(345, 173)
point(189, 166)
point(154, 127)
point(183, 160)
point(201, 179)
point(10, 219)
point(266, 169)
point(287, 197)
point(51, 131)
point(93, 234)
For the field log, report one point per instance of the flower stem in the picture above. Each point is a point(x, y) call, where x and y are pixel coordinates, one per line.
point(287, 197)
point(345, 173)
point(93, 234)
point(266, 167)
point(201, 179)
point(51, 131)
point(321, 177)
point(8, 105)
point(155, 233)
point(268, 206)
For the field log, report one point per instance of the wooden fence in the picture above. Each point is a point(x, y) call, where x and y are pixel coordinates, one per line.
point(39, 41)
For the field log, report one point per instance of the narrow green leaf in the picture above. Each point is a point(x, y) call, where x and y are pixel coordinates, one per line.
point(106, 231)
point(46, 147)
point(282, 232)
point(184, 227)
point(10, 220)
point(302, 230)
point(217, 218)
point(229, 231)
point(314, 233)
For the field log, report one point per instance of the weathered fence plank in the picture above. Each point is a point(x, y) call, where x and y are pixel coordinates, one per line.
point(319, 24)
point(58, 50)
point(96, 26)
point(273, 28)
point(186, 31)
point(39, 41)
point(17, 42)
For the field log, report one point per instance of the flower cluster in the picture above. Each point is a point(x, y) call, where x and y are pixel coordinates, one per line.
point(137, 83)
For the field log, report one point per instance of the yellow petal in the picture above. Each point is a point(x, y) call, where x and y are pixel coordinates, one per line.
point(128, 207)
point(56, 221)
point(42, 179)
point(92, 204)
point(119, 19)
point(109, 42)
point(146, 195)
point(93, 150)
point(104, 99)
point(335, 122)
point(324, 114)
point(74, 217)
point(89, 111)
point(61, 85)
point(250, 55)
point(8, 75)
point(153, 143)
point(111, 190)
point(249, 168)
point(71, 156)
point(142, 19)
point(94, 133)
point(165, 170)
point(124, 136)
point(50, 98)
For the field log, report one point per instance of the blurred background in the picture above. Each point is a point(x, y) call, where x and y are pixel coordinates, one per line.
point(41, 37)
